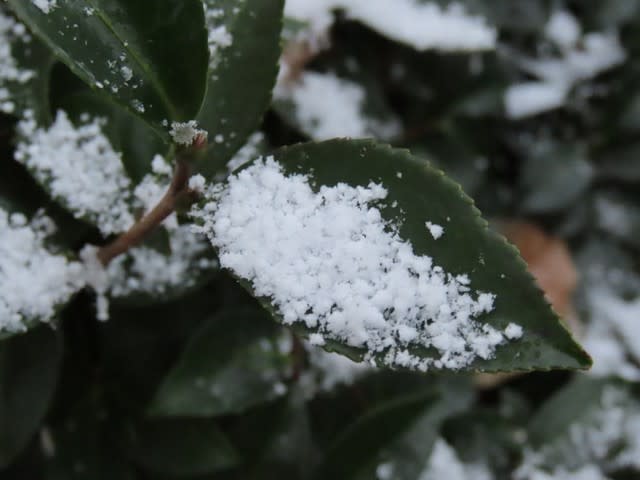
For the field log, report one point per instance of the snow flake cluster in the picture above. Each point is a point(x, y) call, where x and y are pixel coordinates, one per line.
point(422, 25)
point(79, 167)
point(328, 259)
point(219, 37)
point(10, 72)
point(33, 280)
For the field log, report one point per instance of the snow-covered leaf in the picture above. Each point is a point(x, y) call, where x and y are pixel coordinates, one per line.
point(29, 367)
point(35, 278)
point(150, 57)
point(339, 240)
point(244, 42)
point(25, 65)
point(233, 363)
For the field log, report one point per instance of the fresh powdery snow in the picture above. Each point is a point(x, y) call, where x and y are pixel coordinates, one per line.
point(422, 25)
point(435, 230)
point(327, 106)
point(328, 259)
point(219, 37)
point(79, 167)
point(10, 72)
point(33, 280)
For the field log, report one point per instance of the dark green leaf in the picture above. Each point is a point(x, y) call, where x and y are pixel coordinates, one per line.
point(399, 433)
point(554, 177)
point(29, 367)
point(492, 265)
point(150, 57)
point(231, 364)
point(182, 447)
point(621, 164)
point(31, 92)
point(241, 76)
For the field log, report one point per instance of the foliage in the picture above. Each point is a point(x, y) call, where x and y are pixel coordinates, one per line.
point(309, 306)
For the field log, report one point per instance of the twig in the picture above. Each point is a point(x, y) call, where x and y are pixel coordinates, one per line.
point(165, 207)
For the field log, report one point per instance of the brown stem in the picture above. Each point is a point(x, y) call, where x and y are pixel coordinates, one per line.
point(165, 207)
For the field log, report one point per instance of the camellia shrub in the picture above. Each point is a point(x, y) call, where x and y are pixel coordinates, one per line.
point(238, 240)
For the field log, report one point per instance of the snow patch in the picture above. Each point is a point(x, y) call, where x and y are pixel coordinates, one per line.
point(328, 259)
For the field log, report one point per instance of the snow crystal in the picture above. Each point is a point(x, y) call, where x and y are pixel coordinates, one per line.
point(330, 260)
point(45, 5)
point(10, 72)
point(435, 230)
point(513, 331)
point(422, 25)
point(33, 280)
point(197, 183)
point(219, 37)
point(184, 133)
point(78, 165)
point(327, 106)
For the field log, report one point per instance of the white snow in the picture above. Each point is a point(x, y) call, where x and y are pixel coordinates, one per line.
point(184, 133)
point(582, 57)
point(422, 25)
point(513, 331)
point(444, 463)
point(197, 183)
point(34, 281)
point(45, 5)
point(563, 29)
point(329, 260)
point(531, 98)
point(10, 72)
point(605, 438)
point(435, 230)
point(79, 167)
point(329, 370)
point(613, 334)
point(219, 37)
point(327, 106)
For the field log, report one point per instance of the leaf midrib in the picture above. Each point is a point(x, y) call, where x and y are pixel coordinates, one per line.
point(155, 82)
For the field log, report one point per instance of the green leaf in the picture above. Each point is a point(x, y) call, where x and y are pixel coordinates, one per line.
point(87, 442)
point(34, 60)
point(150, 57)
point(182, 447)
point(418, 193)
point(230, 365)
point(554, 177)
point(29, 367)
point(399, 432)
point(241, 75)
point(591, 420)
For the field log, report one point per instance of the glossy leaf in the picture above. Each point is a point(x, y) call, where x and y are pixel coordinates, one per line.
point(182, 447)
point(35, 60)
point(399, 433)
point(492, 265)
point(29, 367)
point(554, 177)
point(231, 364)
point(150, 57)
point(241, 75)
